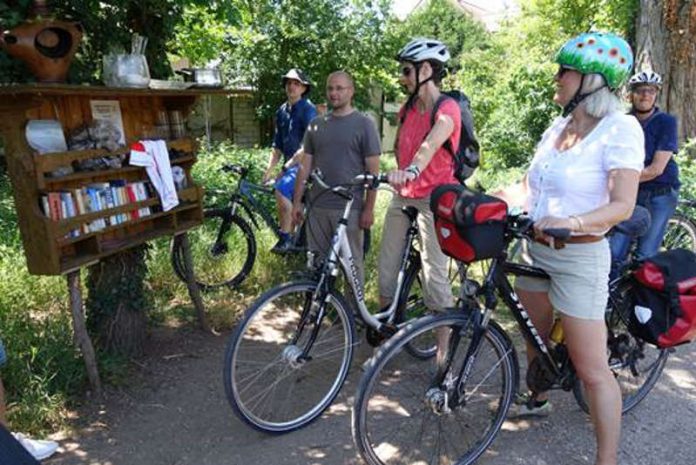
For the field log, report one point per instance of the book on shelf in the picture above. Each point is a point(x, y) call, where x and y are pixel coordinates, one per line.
point(95, 197)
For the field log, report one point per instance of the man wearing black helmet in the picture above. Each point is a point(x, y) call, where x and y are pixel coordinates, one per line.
point(659, 180)
point(292, 119)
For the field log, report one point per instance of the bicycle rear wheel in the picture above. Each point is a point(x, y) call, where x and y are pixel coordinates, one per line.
point(394, 422)
point(679, 234)
point(636, 365)
point(223, 250)
point(266, 382)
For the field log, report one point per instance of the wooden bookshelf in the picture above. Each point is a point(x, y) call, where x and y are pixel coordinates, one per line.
point(48, 248)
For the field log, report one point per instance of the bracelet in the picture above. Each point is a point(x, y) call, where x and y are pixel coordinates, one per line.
point(581, 225)
point(413, 169)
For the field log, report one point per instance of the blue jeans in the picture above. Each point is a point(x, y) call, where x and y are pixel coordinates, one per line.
point(661, 208)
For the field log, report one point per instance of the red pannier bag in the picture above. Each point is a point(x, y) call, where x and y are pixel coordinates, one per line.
point(469, 225)
point(664, 299)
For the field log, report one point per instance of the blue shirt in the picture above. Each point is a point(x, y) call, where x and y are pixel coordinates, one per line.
point(660, 131)
point(291, 124)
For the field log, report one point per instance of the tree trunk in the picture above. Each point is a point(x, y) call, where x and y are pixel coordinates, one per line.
point(666, 42)
point(118, 302)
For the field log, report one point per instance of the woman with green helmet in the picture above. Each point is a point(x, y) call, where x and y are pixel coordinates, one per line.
point(583, 177)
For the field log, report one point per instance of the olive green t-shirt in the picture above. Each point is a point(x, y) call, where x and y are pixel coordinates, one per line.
point(339, 146)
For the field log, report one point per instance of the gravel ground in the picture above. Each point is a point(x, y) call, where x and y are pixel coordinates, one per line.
point(174, 412)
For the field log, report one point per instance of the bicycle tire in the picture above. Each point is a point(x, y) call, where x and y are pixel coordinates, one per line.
point(679, 233)
point(218, 263)
point(393, 417)
point(412, 306)
point(267, 329)
point(636, 365)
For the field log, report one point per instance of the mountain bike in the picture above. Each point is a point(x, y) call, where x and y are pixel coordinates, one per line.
point(288, 358)
point(681, 229)
point(224, 246)
point(410, 411)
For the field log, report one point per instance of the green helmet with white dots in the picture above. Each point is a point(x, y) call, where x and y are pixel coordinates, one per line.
point(598, 53)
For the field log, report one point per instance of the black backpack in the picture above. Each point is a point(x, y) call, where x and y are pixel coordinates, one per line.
point(466, 157)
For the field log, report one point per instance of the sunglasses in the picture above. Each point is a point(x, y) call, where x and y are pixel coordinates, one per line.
point(645, 91)
point(406, 70)
point(562, 70)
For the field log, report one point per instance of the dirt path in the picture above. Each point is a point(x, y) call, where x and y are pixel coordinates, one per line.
point(174, 412)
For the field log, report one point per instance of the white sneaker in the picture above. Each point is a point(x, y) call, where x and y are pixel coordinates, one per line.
point(39, 449)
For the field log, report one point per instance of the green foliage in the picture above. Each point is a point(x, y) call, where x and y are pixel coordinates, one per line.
point(107, 26)
point(443, 20)
point(510, 81)
point(319, 36)
point(686, 159)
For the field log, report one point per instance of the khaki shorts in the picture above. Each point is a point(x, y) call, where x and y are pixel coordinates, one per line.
point(579, 284)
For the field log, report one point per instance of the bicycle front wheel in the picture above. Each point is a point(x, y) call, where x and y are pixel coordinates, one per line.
point(636, 365)
point(223, 250)
point(412, 306)
point(679, 234)
point(268, 382)
point(395, 422)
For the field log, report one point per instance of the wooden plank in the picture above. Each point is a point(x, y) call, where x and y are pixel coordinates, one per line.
point(64, 226)
point(50, 161)
point(47, 90)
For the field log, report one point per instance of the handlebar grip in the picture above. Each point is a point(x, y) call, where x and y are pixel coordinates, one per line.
point(558, 233)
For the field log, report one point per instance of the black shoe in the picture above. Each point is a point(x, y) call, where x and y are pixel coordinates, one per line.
point(283, 246)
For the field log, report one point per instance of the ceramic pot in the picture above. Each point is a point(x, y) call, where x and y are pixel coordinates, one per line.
point(46, 46)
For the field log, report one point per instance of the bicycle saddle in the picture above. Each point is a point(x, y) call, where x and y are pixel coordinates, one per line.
point(637, 224)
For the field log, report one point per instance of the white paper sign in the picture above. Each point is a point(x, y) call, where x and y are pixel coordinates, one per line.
point(110, 111)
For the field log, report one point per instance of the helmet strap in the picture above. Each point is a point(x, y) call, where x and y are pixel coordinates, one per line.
point(419, 83)
point(579, 97)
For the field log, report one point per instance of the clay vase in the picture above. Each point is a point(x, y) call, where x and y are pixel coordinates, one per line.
point(46, 46)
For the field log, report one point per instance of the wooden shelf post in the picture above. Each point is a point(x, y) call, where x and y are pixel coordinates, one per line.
point(84, 343)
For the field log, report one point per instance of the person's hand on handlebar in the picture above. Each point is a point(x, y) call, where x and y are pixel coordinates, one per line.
point(398, 178)
point(552, 222)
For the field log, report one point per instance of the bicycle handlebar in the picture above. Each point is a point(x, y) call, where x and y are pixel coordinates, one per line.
point(371, 181)
point(522, 226)
point(233, 168)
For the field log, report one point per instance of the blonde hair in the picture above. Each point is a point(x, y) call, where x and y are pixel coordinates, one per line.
point(603, 101)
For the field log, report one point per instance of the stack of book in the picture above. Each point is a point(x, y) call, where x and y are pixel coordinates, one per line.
point(96, 197)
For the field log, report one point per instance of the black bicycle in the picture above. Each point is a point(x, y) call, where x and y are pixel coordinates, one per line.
point(289, 356)
point(224, 246)
point(409, 411)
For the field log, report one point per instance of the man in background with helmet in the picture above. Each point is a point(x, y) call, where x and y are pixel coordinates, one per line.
point(292, 119)
point(659, 180)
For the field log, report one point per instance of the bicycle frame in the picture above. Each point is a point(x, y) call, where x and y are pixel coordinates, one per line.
point(496, 281)
point(245, 197)
point(340, 257)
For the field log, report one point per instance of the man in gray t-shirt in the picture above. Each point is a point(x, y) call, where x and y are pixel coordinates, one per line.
point(342, 144)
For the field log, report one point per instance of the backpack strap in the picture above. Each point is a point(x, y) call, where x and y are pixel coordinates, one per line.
point(438, 103)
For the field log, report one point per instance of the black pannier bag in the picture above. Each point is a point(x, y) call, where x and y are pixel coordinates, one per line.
point(663, 310)
point(469, 225)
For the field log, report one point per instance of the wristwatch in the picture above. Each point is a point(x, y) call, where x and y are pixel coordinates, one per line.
point(413, 169)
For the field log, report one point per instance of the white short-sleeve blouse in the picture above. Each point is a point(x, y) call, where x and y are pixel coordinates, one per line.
point(575, 181)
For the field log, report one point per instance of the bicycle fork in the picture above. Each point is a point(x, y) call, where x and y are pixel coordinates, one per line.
point(447, 389)
point(313, 313)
